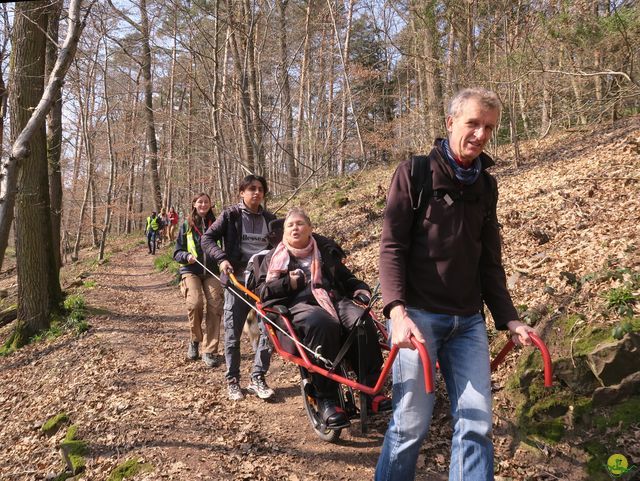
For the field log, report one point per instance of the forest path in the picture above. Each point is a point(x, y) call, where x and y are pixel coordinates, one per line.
point(129, 388)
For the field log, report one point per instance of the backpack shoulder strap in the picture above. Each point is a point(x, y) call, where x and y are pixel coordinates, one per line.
point(421, 186)
point(492, 204)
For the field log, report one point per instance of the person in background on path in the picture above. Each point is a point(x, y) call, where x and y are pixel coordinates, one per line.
point(173, 222)
point(435, 274)
point(202, 292)
point(164, 231)
point(243, 231)
point(152, 230)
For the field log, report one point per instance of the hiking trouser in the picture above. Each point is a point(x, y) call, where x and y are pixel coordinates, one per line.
point(152, 235)
point(317, 327)
point(203, 293)
point(235, 315)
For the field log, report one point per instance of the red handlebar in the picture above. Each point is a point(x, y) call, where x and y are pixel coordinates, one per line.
point(546, 357)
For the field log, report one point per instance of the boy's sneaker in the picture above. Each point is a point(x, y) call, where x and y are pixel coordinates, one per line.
point(192, 351)
point(210, 359)
point(233, 390)
point(258, 386)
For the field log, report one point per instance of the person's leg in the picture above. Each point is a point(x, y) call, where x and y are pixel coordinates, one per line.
point(262, 358)
point(412, 405)
point(154, 240)
point(349, 314)
point(235, 314)
point(464, 363)
point(317, 328)
point(215, 300)
point(149, 240)
point(191, 287)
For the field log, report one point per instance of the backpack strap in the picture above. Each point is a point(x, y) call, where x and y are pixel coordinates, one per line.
point(493, 204)
point(421, 186)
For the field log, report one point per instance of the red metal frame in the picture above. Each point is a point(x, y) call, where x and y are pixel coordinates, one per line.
point(546, 357)
point(303, 360)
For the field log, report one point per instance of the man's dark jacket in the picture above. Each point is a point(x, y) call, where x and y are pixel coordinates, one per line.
point(451, 261)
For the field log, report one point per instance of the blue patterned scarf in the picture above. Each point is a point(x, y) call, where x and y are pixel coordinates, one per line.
point(466, 176)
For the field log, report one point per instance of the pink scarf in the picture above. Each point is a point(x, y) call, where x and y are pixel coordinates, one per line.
point(280, 264)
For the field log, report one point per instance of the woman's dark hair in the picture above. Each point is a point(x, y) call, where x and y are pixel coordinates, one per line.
point(194, 212)
point(246, 182)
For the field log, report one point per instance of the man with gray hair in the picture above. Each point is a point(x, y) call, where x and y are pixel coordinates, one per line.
point(440, 260)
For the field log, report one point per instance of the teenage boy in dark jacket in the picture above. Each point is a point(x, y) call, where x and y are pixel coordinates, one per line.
point(243, 231)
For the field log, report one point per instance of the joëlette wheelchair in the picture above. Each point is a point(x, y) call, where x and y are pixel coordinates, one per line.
point(351, 389)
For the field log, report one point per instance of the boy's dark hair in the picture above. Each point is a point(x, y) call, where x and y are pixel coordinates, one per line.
point(246, 182)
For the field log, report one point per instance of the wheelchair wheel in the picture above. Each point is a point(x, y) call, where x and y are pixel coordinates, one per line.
point(321, 430)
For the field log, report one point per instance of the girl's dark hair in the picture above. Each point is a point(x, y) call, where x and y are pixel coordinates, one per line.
point(194, 212)
point(246, 182)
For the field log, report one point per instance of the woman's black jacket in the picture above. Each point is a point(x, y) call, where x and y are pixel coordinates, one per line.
point(341, 281)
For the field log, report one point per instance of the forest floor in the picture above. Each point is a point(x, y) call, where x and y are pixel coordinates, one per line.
point(127, 385)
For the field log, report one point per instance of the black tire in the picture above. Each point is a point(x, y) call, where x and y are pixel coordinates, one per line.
point(327, 435)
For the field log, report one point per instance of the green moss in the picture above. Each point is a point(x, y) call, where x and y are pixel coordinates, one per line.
point(570, 323)
point(623, 414)
point(582, 407)
point(54, 423)
point(551, 430)
point(129, 469)
point(340, 200)
point(89, 284)
point(588, 341)
point(596, 466)
point(554, 405)
point(74, 450)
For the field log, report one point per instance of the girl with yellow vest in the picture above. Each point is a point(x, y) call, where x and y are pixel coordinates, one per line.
point(201, 291)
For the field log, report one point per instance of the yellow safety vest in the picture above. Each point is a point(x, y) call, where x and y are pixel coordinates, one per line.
point(153, 223)
point(191, 247)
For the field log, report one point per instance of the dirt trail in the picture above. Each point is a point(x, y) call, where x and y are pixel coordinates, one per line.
point(127, 385)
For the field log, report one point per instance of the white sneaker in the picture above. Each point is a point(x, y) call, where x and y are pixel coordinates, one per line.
point(233, 390)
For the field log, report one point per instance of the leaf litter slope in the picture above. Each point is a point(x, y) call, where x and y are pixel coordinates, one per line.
point(572, 205)
point(128, 387)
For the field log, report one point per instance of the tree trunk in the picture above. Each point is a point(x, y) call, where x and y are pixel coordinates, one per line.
point(20, 147)
point(112, 158)
point(54, 135)
point(152, 142)
point(287, 111)
point(244, 97)
point(33, 220)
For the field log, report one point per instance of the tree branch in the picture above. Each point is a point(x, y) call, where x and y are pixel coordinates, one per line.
point(20, 147)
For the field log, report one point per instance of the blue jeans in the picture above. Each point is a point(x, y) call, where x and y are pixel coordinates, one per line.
point(234, 317)
point(461, 347)
point(152, 236)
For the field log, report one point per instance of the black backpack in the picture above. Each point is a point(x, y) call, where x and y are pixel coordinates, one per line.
point(422, 187)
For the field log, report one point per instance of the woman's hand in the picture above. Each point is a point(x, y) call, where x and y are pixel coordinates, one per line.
point(364, 293)
point(520, 333)
point(191, 259)
point(295, 277)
